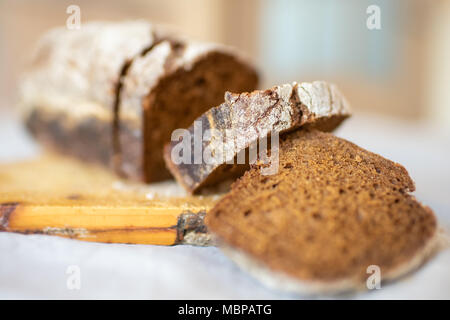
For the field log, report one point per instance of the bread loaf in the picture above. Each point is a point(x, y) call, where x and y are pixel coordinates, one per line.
point(113, 92)
point(332, 211)
point(250, 117)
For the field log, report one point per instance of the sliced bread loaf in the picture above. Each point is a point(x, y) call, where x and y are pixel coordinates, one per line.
point(331, 212)
point(113, 92)
point(245, 118)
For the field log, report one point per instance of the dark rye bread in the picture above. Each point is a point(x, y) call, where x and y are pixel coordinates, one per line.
point(111, 92)
point(331, 211)
point(251, 116)
point(68, 92)
point(193, 78)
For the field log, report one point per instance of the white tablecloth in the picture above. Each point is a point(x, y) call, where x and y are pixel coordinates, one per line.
point(36, 266)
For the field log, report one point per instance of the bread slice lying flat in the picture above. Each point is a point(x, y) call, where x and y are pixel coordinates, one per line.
point(255, 115)
point(332, 210)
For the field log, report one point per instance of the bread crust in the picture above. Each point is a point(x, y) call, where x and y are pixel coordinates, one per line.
point(170, 59)
point(255, 115)
point(69, 88)
point(87, 92)
point(282, 282)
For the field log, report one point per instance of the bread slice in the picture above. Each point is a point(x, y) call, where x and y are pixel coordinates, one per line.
point(113, 92)
point(167, 89)
point(332, 210)
point(252, 116)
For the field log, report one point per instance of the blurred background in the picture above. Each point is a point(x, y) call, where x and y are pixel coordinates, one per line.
point(401, 70)
point(397, 78)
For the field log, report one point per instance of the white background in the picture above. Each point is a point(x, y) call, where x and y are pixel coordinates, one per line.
point(34, 266)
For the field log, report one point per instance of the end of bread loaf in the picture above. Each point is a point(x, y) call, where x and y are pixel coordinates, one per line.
point(68, 92)
point(251, 116)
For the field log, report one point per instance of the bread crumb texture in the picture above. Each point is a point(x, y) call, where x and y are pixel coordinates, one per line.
point(332, 210)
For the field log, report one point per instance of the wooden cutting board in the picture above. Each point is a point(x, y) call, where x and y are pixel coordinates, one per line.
point(53, 195)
